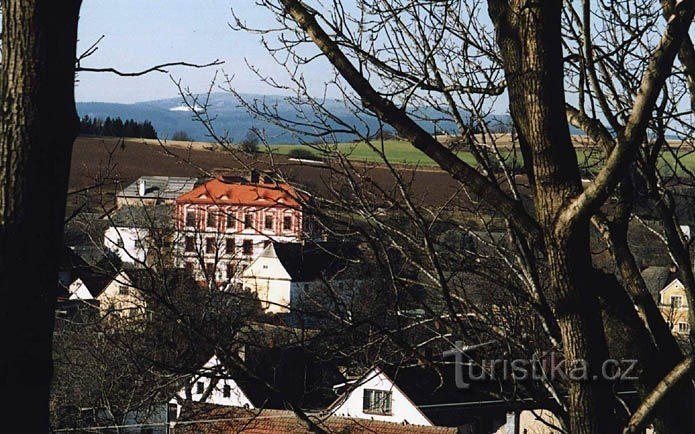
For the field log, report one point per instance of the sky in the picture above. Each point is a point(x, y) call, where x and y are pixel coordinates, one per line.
point(141, 33)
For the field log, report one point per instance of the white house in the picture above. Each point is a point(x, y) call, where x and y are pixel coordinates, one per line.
point(113, 293)
point(131, 230)
point(285, 274)
point(375, 396)
point(213, 385)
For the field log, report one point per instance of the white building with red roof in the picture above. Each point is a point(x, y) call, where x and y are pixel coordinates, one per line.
point(227, 221)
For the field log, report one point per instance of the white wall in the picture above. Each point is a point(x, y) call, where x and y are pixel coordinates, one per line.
point(268, 278)
point(134, 242)
point(207, 374)
point(402, 409)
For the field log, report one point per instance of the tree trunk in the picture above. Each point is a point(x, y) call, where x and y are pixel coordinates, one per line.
point(530, 42)
point(39, 124)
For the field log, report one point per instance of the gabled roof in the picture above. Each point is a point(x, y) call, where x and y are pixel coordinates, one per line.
point(292, 373)
point(227, 420)
point(163, 187)
point(222, 191)
point(308, 261)
point(657, 278)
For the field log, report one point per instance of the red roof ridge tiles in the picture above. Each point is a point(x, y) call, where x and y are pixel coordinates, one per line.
point(219, 192)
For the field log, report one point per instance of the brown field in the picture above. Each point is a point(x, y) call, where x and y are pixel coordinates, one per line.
point(99, 165)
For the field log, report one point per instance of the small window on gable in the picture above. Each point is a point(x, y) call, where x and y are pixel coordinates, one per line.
point(226, 391)
point(376, 401)
point(676, 301)
point(199, 387)
point(123, 290)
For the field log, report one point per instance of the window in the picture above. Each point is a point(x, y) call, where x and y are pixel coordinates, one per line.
point(248, 221)
point(230, 270)
point(376, 401)
point(209, 245)
point(190, 217)
point(287, 223)
point(172, 411)
point(210, 269)
point(226, 391)
point(676, 301)
point(683, 327)
point(199, 387)
point(123, 290)
point(231, 221)
point(269, 221)
point(229, 246)
point(247, 247)
point(190, 244)
point(211, 221)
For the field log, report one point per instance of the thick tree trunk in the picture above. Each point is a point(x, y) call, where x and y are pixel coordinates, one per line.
point(39, 124)
point(530, 41)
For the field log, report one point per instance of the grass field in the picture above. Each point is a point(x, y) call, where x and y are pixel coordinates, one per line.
point(401, 152)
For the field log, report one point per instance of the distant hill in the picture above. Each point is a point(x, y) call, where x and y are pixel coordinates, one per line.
point(170, 115)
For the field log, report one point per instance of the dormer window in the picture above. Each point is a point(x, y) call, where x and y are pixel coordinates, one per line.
point(376, 401)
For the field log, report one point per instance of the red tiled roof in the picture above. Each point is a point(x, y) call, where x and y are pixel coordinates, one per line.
point(219, 192)
point(228, 420)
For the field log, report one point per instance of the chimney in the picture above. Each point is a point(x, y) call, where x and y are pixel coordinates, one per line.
point(255, 176)
point(141, 187)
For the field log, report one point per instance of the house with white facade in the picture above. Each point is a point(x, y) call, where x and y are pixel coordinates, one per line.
point(113, 294)
point(416, 395)
point(131, 230)
point(291, 373)
point(226, 222)
point(287, 274)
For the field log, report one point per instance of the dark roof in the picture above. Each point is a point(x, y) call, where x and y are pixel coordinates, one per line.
point(134, 216)
point(311, 260)
point(656, 278)
point(293, 373)
point(238, 420)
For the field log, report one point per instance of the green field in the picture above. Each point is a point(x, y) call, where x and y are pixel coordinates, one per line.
point(401, 152)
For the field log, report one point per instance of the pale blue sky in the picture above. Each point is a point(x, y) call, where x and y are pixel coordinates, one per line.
point(141, 33)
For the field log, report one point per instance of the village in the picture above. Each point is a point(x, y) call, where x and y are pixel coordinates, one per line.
point(254, 241)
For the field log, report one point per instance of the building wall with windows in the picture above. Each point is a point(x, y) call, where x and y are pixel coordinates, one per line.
point(359, 402)
point(673, 304)
point(224, 225)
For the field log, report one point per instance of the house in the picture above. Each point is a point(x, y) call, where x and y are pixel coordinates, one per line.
point(428, 397)
point(112, 293)
point(272, 377)
point(673, 304)
point(131, 230)
point(669, 294)
point(284, 274)
point(154, 190)
point(228, 420)
point(225, 223)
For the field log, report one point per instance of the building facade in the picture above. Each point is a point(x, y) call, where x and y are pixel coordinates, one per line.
point(225, 223)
